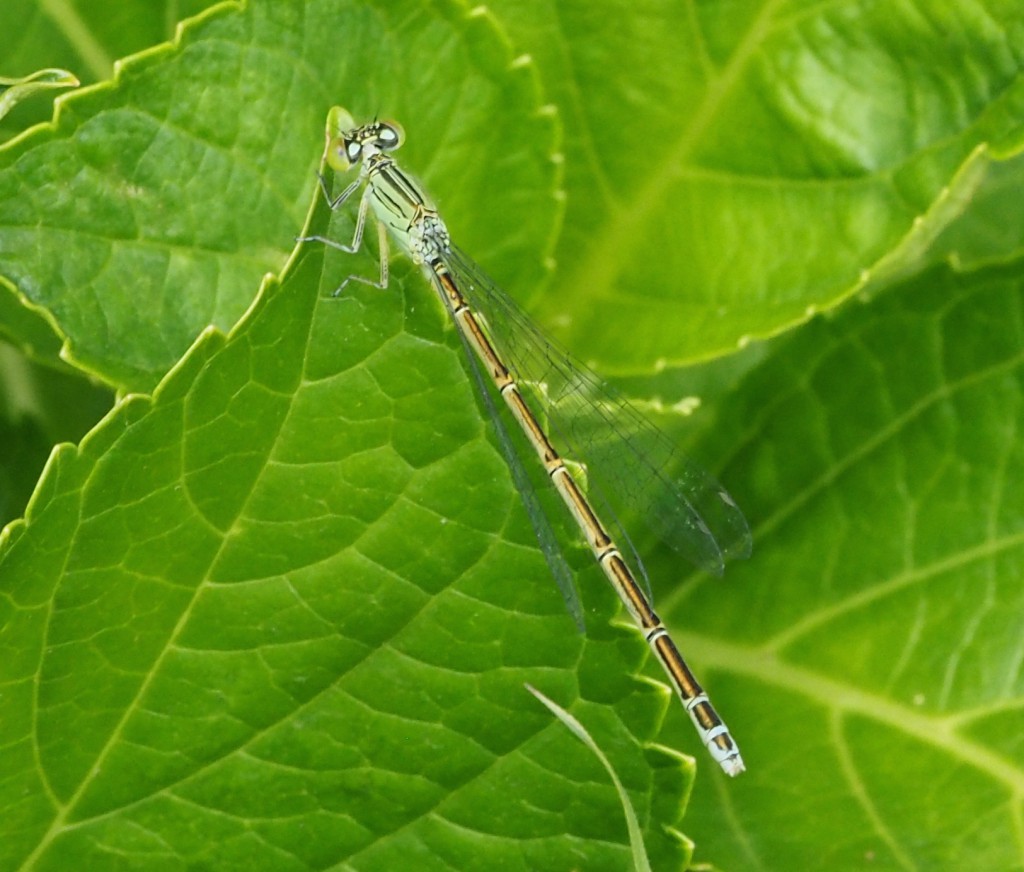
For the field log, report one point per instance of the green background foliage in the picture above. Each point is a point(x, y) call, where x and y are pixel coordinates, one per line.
point(277, 607)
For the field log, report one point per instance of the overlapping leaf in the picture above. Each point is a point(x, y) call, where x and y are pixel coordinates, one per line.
point(255, 597)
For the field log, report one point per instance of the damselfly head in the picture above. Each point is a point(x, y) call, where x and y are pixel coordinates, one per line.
point(348, 144)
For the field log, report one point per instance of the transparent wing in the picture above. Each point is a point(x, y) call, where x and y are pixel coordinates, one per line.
point(538, 518)
point(633, 465)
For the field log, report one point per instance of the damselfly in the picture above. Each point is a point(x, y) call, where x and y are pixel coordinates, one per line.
point(628, 460)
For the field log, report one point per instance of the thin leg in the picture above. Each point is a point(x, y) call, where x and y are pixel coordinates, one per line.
point(382, 283)
point(357, 236)
point(344, 195)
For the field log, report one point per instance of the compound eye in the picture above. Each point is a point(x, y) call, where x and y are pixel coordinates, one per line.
point(390, 136)
point(342, 153)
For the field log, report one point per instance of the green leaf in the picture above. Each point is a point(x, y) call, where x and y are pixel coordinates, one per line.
point(166, 210)
point(86, 36)
point(726, 171)
point(700, 141)
point(871, 647)
point(281, 615)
